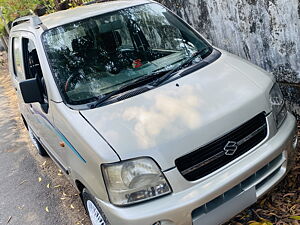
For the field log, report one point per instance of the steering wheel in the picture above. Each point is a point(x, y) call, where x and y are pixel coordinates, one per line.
point(71, 82)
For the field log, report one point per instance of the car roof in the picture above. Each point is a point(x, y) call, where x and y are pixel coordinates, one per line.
point(81, 12)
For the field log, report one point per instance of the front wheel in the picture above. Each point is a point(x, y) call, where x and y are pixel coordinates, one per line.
point(36, 143)
point(93, 209)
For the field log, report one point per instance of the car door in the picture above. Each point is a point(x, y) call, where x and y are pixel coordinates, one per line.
point(41, 118)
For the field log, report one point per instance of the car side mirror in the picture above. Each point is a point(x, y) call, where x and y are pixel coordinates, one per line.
point(31, 91)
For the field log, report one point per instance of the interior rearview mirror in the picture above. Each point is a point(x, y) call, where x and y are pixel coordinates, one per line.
point(31, 91)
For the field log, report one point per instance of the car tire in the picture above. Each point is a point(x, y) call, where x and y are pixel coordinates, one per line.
point(93, 209)
point(36, 143)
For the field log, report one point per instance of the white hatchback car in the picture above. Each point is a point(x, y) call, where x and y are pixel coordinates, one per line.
point(150, 122)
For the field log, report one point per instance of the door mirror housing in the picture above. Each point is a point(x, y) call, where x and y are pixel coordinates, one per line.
point(31, 91)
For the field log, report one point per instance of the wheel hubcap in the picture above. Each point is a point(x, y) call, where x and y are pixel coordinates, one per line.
point(94, 214)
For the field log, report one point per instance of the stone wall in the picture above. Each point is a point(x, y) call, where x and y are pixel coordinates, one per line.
point(266, 32)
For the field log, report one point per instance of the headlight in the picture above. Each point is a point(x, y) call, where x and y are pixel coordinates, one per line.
point(278, 105)
point(134, 181)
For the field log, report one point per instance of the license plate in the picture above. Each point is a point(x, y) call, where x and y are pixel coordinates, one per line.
point(228, 209)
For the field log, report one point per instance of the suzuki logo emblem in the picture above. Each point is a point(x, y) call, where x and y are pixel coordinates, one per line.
point(230, 148)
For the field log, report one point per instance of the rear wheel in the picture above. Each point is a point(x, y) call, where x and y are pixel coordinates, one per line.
point(36, 143)
point(93, 209)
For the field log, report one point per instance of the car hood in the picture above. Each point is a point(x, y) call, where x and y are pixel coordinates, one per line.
point(179, 117)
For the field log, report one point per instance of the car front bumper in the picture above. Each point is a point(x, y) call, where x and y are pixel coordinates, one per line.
point(221, 195)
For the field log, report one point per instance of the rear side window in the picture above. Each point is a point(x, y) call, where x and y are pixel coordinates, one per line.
point(17, 58)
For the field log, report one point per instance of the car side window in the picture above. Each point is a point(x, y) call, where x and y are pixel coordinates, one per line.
point(17, 58)
point(32, 65)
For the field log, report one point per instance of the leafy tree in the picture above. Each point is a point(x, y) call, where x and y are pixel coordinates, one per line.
point(13, 9)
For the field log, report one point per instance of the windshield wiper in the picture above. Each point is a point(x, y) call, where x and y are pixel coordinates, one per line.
point(158, 78)
point(134, 84)
point(186, 63)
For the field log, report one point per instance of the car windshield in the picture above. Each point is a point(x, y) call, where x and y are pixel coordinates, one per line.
point(98, 55)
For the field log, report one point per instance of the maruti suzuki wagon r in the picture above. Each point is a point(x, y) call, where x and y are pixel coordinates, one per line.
point(151, 123)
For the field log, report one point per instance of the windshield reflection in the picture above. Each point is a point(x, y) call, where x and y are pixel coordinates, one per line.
point(171, 115)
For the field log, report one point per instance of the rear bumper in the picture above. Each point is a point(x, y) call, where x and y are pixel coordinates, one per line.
point(215, 199)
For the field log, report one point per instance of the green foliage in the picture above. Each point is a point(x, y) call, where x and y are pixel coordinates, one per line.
point(50, 5)
point(2, 28)
point(13, 9)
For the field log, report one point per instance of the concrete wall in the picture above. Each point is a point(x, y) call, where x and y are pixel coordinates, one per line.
point(266, 32)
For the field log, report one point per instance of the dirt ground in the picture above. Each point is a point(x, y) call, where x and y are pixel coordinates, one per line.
point(281, 206)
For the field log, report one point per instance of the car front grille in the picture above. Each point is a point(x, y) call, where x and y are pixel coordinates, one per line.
point(220, 152)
